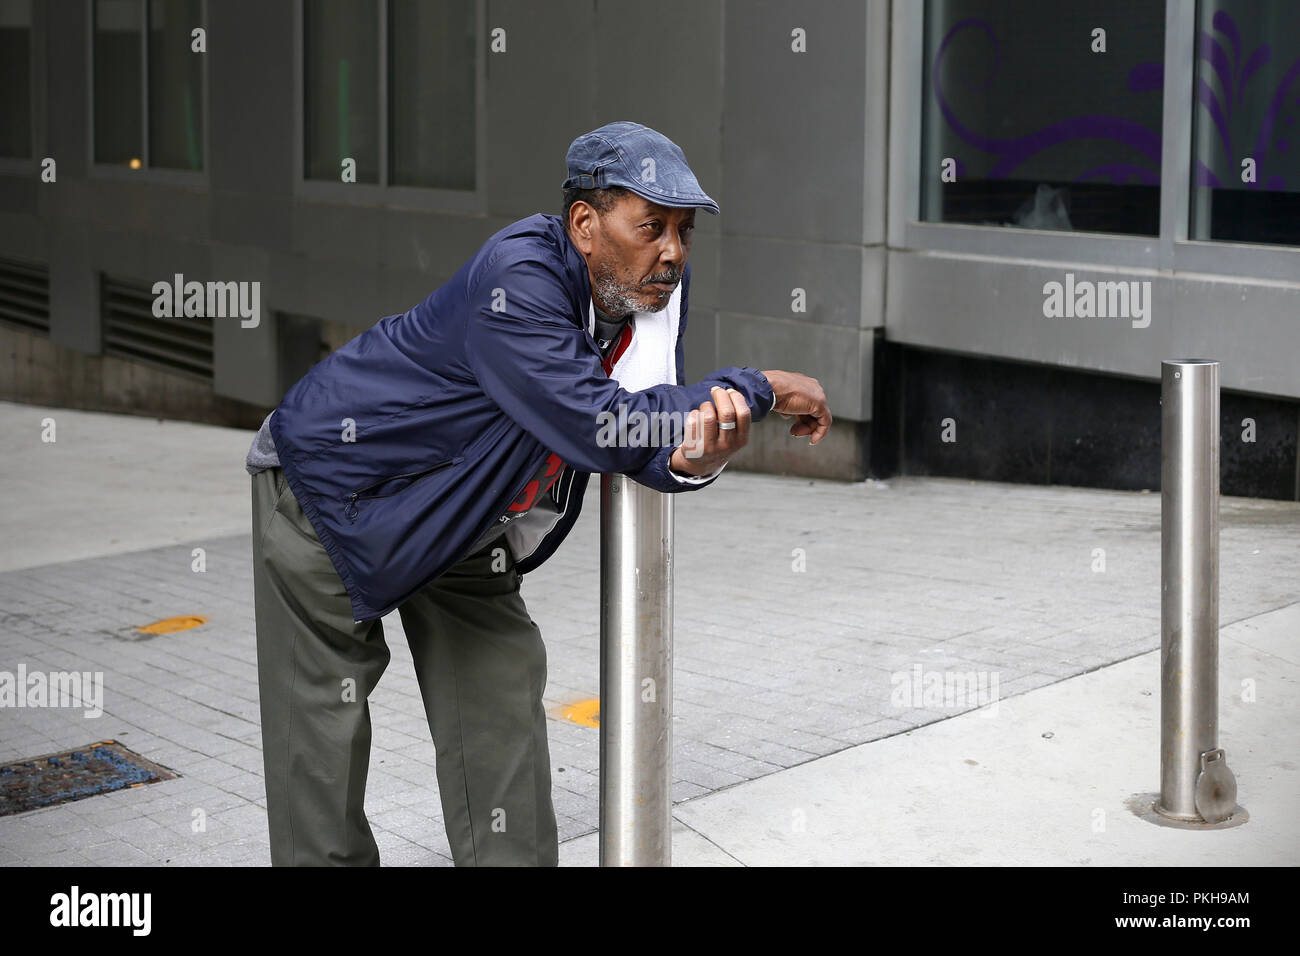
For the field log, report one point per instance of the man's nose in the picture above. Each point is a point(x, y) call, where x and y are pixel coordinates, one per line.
point(673, 251)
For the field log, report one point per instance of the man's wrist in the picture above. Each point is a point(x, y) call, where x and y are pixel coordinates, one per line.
point(697, 479)
point(678, 464)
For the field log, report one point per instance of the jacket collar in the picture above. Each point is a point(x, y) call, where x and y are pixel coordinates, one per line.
point(580, 279)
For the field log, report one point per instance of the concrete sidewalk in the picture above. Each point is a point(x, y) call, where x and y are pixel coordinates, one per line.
point(805, 610)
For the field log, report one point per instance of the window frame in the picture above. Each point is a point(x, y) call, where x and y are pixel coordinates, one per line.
point(156, 175)
point(1170, 251)
point(383, 193)
point(25, 165)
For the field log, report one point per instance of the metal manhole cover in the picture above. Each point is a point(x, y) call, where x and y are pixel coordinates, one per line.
point(52, 779)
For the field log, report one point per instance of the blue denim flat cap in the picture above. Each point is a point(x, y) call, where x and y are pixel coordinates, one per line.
point(637, 158)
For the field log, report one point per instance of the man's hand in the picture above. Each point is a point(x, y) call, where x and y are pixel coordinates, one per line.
point(708, 447)
point(802, 397)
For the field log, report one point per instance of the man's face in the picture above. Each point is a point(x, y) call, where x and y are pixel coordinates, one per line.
point(635, 252)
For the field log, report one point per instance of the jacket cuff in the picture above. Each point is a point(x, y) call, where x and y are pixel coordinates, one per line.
point(696, 479)
point(763, 387)
point(750, 382)
point(657, 475)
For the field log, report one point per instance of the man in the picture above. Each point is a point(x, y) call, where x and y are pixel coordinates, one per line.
point(436, 458)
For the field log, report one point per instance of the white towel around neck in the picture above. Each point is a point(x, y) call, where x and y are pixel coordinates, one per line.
point(651, 357)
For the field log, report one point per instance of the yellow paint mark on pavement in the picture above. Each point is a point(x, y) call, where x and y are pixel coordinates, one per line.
point(171, 625)
point(585, 712)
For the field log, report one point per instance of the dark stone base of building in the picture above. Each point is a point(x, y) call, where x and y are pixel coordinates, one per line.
point(1037, 424)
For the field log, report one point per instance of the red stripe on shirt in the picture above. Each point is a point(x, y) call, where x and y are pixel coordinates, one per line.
point(624, 339)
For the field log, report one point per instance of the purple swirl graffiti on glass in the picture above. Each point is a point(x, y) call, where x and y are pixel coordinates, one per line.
point(1144, 77)
point(1233, 77)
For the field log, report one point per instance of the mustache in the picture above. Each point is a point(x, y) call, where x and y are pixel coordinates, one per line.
point(672, 278)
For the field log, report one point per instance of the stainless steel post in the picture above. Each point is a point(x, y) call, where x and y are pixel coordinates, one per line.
point(636, 622)
point(1194, 779)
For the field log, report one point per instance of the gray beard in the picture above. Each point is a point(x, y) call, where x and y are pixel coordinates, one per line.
point(619, 300)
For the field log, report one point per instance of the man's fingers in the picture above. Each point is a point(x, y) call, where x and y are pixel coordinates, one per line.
point(819, 423)
point(743, 418)
point(726, 414)
point(699, 422)
point(806, 425)
point(816, 424)
point(691, 446)
point(708, 425)
point(825, 423)
point(704, 437)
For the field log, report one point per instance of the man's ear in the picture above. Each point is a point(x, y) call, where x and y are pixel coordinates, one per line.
point(584, 226)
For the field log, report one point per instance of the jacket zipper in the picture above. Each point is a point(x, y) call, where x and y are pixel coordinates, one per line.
point(350, 509)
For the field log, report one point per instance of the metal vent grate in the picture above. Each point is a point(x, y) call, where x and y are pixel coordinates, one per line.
point(25, 295)
point(74, 775)
point(132, 331)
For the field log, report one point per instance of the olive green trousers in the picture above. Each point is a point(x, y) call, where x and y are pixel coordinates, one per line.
point(481, 667)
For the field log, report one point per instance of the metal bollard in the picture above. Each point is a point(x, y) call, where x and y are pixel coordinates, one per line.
point(636, 664)
point(1196, 785)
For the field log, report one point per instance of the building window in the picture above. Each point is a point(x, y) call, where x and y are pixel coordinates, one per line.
point(411, 124)
point(1246, 122)
point(341, 88)
point(148, 84)
point(16, 79)
point(119, 78)
point(1043, 115)
point(175, 82)
point(431, 107)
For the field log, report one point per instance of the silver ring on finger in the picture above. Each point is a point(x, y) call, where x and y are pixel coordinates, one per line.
point(726, 426)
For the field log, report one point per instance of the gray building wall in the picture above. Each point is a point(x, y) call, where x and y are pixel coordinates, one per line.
point(811, 157)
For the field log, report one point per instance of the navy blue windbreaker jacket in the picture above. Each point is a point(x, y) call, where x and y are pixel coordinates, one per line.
point(407, 443)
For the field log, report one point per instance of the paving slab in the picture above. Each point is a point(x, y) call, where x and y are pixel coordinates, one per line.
point(1051, 777)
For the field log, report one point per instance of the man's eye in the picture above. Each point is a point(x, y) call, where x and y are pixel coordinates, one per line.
point(656, 226)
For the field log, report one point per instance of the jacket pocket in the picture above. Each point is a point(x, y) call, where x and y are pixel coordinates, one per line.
point(393, 485)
